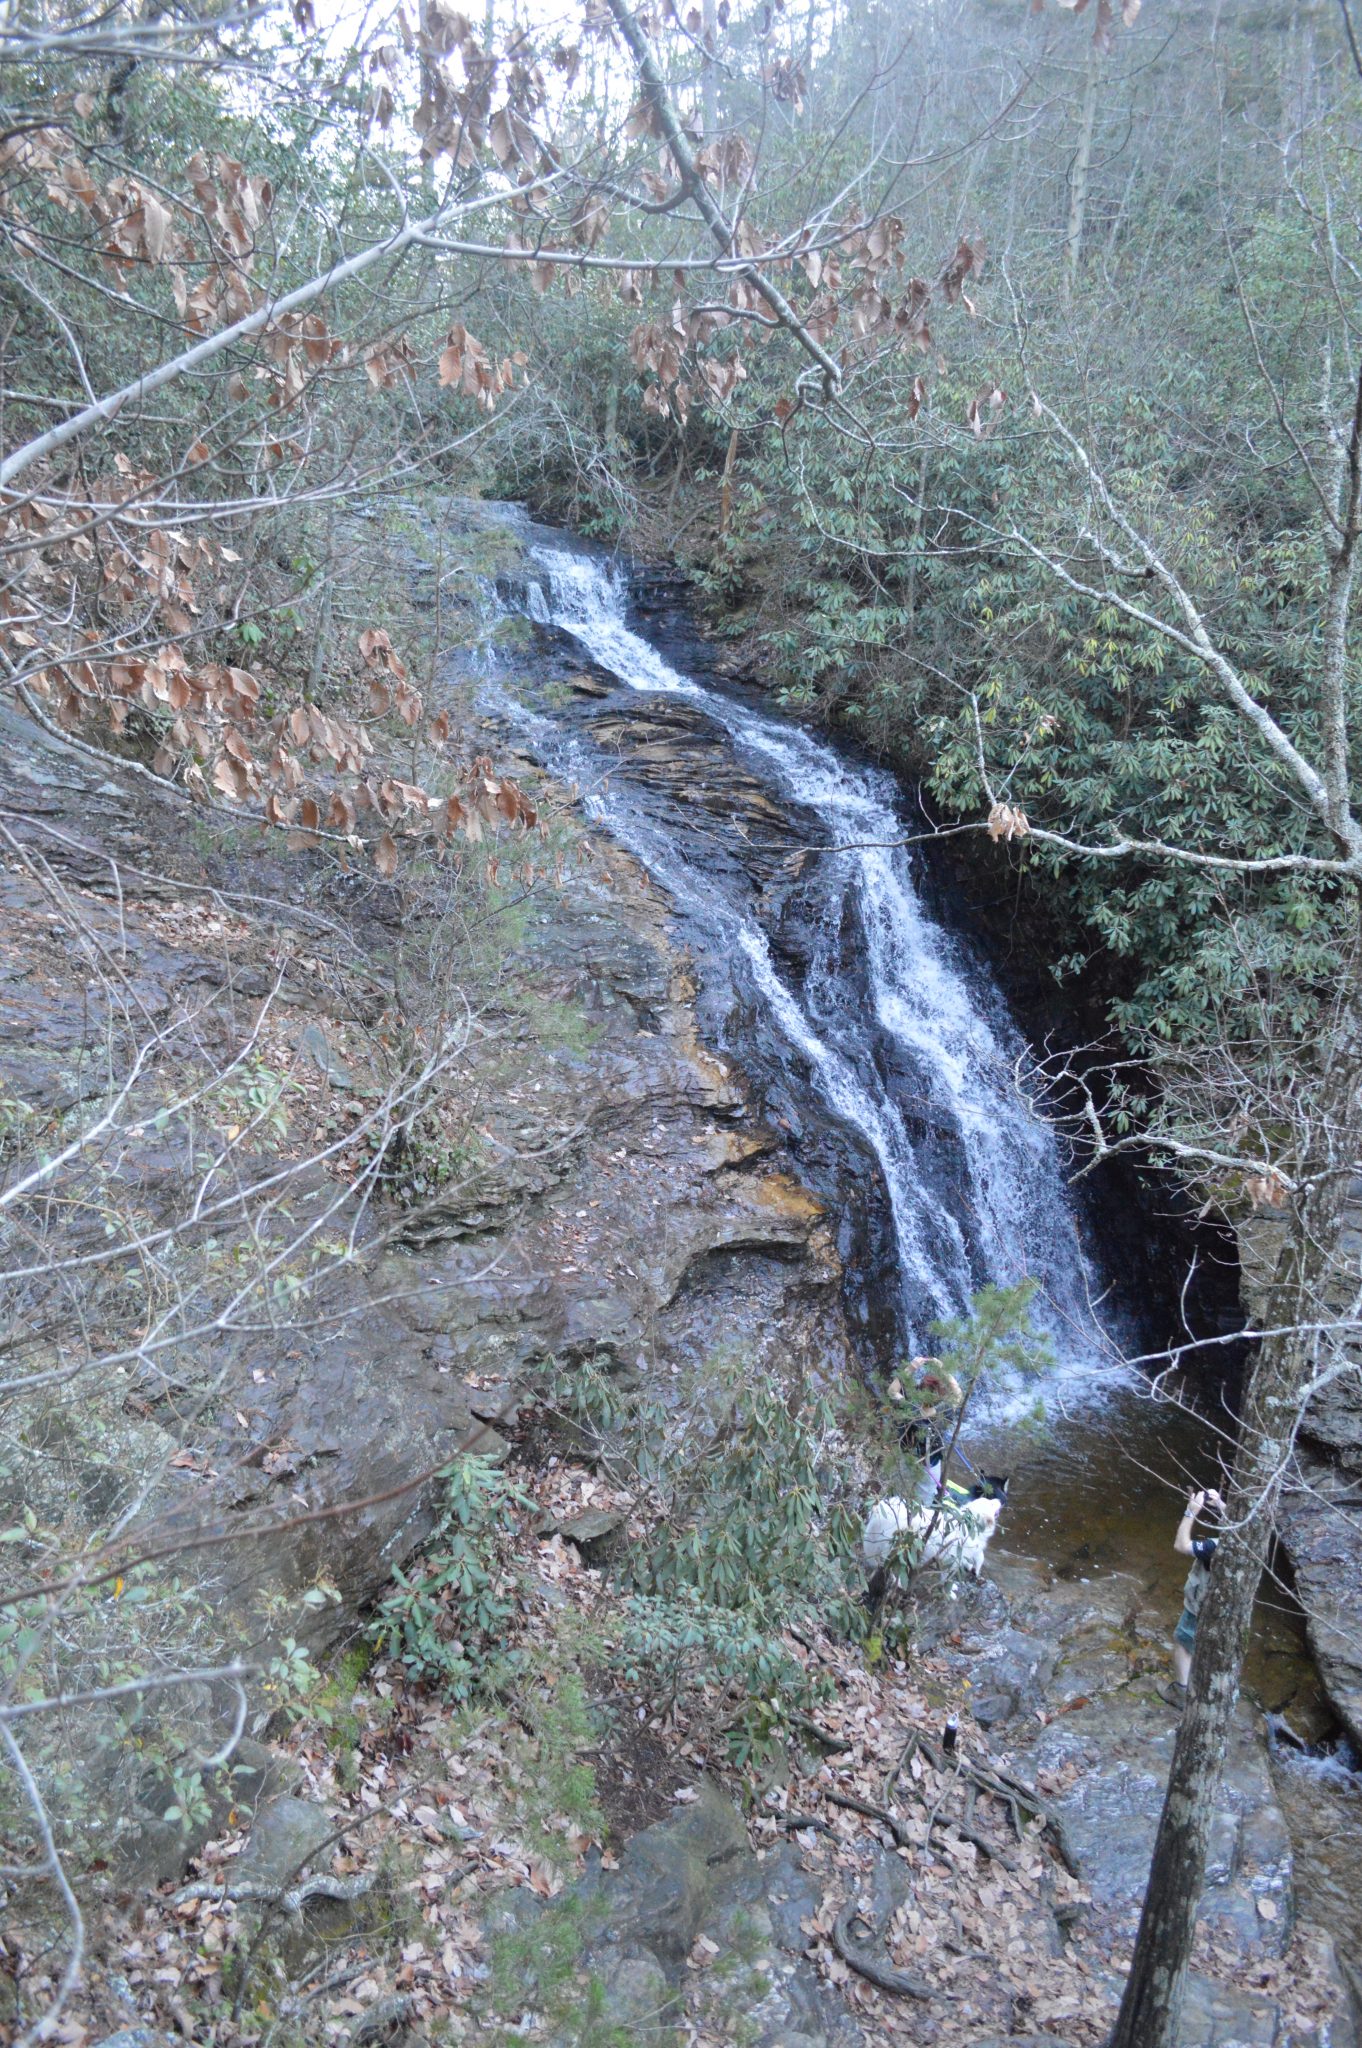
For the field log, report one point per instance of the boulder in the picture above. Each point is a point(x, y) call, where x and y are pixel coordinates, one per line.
point(146, 1848)
point(637, 1996)
point(1215, 2015)
point(694, 1874)
point(596, 1532)
point(668, 1876)
point(286, 1835)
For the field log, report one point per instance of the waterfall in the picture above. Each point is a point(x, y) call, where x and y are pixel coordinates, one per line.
point(913, 1052)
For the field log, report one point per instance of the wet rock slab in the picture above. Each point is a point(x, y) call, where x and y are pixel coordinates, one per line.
point(1107, 1743)
point(1322, 1531)
point(1321, 1518)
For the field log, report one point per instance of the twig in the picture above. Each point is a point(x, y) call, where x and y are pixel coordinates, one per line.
point(822, 1736)
point(60, 1701)
point(42, 2029)
point(380, 2017)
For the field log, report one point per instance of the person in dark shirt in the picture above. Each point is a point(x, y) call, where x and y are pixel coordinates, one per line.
point(1201, 1549)
point(926, 1417)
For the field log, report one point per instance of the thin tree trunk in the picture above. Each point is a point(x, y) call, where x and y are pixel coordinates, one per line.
point(709, 79)
point(1151, 2007)
point(919, 509)
point(321, 638)
point(679, 470)
point(1078, 176)
point(726, 486)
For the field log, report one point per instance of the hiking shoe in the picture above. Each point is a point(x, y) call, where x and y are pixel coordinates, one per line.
point(1173, 1694)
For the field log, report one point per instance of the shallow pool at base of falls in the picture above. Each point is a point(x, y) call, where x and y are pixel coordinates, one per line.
point(1100, 1489)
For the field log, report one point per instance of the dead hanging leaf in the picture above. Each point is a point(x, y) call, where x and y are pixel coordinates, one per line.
point(985, 408)
point(512, 138)
point(1005, 821)
point(1266, 1190)
point(590, 219)
point(385, 856)
point(230, 777)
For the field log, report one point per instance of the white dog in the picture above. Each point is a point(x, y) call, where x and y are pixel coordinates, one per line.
point(958, 1540)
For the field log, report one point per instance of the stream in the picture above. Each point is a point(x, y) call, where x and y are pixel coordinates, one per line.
point(883, 1047)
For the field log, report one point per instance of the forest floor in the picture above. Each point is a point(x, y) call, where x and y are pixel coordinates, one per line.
point(443, 1815)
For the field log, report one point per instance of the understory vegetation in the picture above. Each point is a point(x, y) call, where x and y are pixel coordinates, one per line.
point(746, 1501)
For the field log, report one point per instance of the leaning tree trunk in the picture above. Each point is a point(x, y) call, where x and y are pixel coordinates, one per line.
point(1284, 1365)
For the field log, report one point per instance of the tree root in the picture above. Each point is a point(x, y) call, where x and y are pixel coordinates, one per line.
point(389, 2012)
point(290, 1900)
point(980, 1841)
point(999, 1783)
point(897, 1828)
point(875, 1971)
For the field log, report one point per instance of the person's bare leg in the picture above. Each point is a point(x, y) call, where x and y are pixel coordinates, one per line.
point(1182, 1663)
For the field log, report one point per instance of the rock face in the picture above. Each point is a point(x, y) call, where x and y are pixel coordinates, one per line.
point(617, 1198)
point(694, 1879)
point(1321, 1517)
point(1322, 1530)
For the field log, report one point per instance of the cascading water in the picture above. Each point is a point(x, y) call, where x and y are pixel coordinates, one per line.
point(911, 1051)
